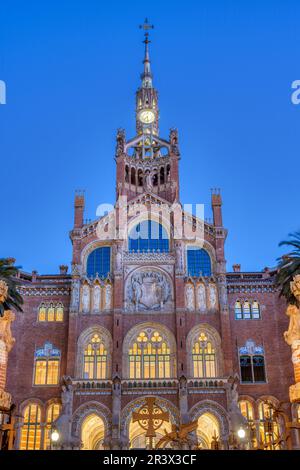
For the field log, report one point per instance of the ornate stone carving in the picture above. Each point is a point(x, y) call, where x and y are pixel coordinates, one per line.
point(292, 337)
point(147, 290)
point(5, 329)
point(5, 399)
point(189, 297)
point(201, 297)
point(108, 296)
point(85, 299)
point(64, 421)
point(97, 298)
point(212, 296)
point(293, 333)
point(121, 142)
point(179, 263)
point(118, 259)
point(75, 294)
point(3, 291)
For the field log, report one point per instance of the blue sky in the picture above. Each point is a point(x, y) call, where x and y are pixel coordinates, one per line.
point(223, 70)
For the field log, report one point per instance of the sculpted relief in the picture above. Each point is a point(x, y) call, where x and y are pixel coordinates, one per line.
point(148, 290)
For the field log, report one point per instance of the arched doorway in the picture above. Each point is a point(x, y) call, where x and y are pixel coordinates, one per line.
point(92, 432)
point(208, 428)
point(137, 435)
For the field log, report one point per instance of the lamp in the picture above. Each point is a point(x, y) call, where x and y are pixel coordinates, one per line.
point(55, 435)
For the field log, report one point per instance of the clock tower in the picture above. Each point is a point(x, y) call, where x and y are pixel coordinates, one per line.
point(147, 163)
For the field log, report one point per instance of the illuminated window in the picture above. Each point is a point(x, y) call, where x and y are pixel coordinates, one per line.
point(268, 427)
point(298, 413)
point(95, 359)
point(204, 358)
point(255, 310)
point(246, 310)
point(46, 370)
point(247, 411)
point(52, 414)
point(238, 310)
point(198, 262)
point(98, 262)
point(51, 312)
point(31, 429)
point(148, 236)
point(149, 357)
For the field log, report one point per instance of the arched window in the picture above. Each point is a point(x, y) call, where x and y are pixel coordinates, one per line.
point(247, 310)
point(255, 310)
point(95, 359)
point(46, 365)
point(149, 357)
point(198, 262)
point(268, 427)
point(52, 414)
point(204, 358)
point(148, 235)
point(162, 175)
point(252, 363)
point(31, 429)
point(132, 176)
point(51, 312)
point(98, 262)
point(248, 413)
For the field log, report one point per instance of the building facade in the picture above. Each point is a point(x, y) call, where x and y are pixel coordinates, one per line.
point(149, 311)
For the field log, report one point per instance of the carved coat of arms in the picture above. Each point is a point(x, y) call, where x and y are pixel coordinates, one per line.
point(148, 290)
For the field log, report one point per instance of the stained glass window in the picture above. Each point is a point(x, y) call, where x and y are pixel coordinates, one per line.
point(198, 262)
point(252, 368)
point(31, 429)
point(47, 361)
point(98, 262)
point(245, 310)
point(204, 358)
point(95, 359)
point(148, 235)
point(51, 312)
point(268, 427)
point(52, 413)
point(149, 357)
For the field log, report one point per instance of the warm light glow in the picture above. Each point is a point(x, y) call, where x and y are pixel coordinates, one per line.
point(54, 436)
point(241, 433)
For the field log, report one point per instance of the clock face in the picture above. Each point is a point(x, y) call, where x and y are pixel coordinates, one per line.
point(147, 116)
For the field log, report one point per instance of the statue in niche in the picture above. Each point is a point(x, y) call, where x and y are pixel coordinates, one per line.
point(148, 290)
point(148, 181)
point(85, 298)
point(118, 259)
point(212, 296)
point(97, 298)
point(108, 296)
point(178, 257)
point(189, 297)
point(75, 293)
point(201, 297)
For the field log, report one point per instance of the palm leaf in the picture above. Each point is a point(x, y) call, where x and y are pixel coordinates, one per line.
point(288, 267)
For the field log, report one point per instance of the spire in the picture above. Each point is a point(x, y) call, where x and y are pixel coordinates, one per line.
point(146, 76)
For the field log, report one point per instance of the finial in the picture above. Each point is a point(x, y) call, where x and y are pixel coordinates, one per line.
point(146, 75)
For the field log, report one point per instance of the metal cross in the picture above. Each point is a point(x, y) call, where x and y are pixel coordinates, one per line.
point(150, 417)
point(146, 26)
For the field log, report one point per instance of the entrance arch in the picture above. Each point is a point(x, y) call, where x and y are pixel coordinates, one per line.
point(92, 432)
point(134, 433)
point(208, 427)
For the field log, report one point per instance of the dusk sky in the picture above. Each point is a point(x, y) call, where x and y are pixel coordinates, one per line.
point(224, 71)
